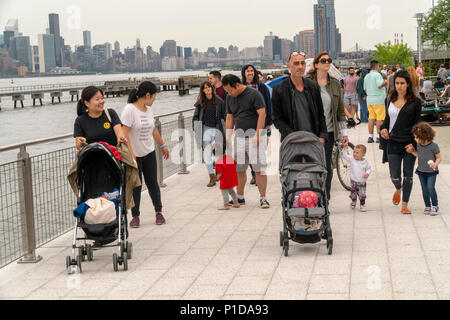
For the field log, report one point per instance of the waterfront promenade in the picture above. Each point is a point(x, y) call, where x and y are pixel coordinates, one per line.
point(204, 253)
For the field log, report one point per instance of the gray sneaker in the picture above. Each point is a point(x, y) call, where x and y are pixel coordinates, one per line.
point(263, 203)
point(434, 210)
point(362, 208)
point(427, 210)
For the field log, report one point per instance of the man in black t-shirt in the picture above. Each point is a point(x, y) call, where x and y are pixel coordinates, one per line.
point(247, 112)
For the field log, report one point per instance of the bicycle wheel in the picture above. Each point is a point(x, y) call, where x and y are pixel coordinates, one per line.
point(343, 167)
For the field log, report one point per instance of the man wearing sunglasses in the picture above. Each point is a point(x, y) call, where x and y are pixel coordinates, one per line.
point(296, 102)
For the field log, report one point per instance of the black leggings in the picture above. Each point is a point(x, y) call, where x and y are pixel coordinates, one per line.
point(395, 170)
point(329, 145)
point(147, 166)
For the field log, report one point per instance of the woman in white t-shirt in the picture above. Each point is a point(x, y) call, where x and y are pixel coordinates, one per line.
point(139, 128)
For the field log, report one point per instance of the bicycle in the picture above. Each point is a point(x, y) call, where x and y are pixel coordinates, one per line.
point(342, 166)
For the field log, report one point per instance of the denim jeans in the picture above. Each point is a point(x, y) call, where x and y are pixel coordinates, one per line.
point(428, 190)
point(363, 112)
point(395, 169)
point(209, 138)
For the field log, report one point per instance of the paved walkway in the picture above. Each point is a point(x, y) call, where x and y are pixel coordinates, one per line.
point(204, 253)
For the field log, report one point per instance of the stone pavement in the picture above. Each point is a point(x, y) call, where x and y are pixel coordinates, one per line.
point(204, 253)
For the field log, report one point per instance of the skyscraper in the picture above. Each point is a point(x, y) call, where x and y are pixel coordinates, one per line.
point(306, 42)
point(47, 60)
point(268, 46)
point(22, 50)
point(179, 52)
point(286, 47)
point(7, 36)
point(108, 50)
point(276, 47)
point(168, 49)
point(187, 52)
point(326, 35)
point(116, 48)
point(87, 39)
point(99, 53)
point(53, 22)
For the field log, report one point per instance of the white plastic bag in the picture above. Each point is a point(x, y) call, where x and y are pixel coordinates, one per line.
point(101, 211)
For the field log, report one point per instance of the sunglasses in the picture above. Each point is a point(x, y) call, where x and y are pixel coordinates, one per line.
point(323, 60)
point(295, 53)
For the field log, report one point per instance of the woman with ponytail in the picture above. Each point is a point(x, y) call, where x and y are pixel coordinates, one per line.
point(93, 124)
point(139, 128)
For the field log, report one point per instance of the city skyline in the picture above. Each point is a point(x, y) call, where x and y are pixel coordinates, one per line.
point(378, 22)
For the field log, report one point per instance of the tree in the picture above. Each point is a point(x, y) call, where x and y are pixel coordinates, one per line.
point(436, 24)
point(392, 54)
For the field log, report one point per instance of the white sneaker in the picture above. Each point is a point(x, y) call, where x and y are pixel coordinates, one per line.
point(434, 211)
point(353, 205)
point(427, 210)
point(362, 208)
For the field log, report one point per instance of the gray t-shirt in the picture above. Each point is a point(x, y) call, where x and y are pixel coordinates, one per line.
point(427, 153)
point(326, 101)
point(302, 111)
point(244, 108)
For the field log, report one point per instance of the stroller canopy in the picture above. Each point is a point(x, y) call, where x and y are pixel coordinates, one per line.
point(302, 143)
point(98, 170)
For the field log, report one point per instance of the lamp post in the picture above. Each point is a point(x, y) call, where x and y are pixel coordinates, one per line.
point(419, 17)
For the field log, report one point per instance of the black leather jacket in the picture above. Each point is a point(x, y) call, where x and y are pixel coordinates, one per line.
point(283, 108)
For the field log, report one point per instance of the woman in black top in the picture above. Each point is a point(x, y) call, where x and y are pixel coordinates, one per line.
point(207, 124)
point(403, 111)
point(92, 123)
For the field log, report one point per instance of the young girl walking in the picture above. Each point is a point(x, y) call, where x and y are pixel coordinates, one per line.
point(429, 157)
point(226, 174)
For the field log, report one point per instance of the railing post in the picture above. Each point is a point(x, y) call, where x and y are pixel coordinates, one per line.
point(27, 208)
point(159, 157)
point(182, 143)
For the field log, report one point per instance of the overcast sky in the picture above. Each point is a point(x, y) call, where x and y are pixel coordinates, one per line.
point(205, 23)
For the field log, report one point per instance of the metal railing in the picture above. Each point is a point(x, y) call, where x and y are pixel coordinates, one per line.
point(48, 87)
point(80, 85)
point(36, 201)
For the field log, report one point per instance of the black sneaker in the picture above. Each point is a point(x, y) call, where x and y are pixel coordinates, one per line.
point(370, 140)
point(263, 203)
point(241, 202)
point(378, 140)
point(351, 123)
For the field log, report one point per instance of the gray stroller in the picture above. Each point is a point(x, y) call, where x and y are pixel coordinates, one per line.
point(303, 168)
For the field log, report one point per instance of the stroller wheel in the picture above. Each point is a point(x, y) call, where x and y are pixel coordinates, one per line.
point(90, 253)
point(281, 238)
point(81, 253)
point(69, 265)
point(79, 263)
point(330, 246)
point(125, 261)
point(129, 250)
point(286, 247)
point(115, 262)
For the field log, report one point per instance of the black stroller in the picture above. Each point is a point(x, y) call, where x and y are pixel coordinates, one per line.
point(99, 171)
point(303, 168)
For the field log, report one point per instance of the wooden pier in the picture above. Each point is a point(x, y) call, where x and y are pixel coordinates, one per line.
point(110, 88)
